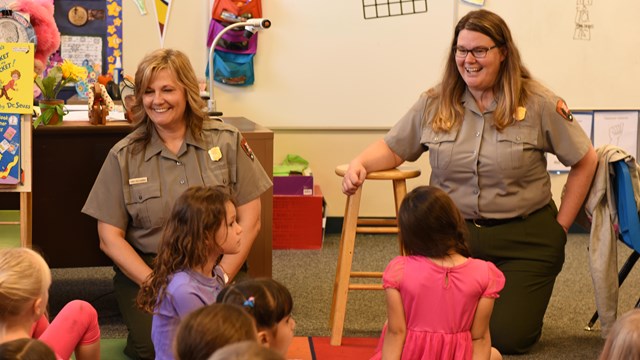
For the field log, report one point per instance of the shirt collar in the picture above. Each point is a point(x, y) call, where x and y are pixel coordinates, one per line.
point(470, 103)
point(156, 146)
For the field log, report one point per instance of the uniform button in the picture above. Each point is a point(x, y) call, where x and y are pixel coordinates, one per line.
point(476, 191)
point(224, 181)
point(178, 163)
point(139, 197)
point(436, 138)
point(477, 133)
point(518, 138)
point(182, 182)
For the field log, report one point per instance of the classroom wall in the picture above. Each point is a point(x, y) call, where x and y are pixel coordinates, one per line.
point(326, 101)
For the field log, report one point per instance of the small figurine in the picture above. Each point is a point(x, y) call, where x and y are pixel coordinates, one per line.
point(100, 104)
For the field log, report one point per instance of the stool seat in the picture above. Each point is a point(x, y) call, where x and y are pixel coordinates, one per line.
point(353, 225)
point(401, 172)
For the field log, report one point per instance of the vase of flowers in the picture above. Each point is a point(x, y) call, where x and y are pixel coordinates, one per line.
point(52, 108)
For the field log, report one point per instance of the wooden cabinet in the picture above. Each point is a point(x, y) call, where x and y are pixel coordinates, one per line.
point(66, 161)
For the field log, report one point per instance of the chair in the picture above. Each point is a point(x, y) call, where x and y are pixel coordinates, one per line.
point(354, 225)
point(628, 222)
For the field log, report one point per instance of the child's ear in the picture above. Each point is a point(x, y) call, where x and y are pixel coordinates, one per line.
point(38, 308)
point(263, 338)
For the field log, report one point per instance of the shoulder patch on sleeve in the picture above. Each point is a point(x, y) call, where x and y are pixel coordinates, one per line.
point(247, 149)
point(563, 110)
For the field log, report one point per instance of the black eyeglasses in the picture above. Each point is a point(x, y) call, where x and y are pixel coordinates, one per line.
point(478, 52)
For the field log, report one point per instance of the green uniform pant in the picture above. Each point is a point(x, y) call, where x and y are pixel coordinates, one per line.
point(530, 253)
point(139, 344)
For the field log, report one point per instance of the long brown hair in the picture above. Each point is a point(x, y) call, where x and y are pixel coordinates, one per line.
point(431, 225)
point(177, 63)
point(187, 241)
point(513, 84)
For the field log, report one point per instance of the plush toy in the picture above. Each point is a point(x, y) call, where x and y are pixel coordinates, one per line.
point(100, 104)
point(41, 17)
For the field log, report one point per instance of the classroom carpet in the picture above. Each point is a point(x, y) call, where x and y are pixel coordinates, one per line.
point(318, 348)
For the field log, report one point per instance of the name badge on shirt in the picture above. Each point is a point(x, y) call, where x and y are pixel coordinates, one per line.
point(142, 180)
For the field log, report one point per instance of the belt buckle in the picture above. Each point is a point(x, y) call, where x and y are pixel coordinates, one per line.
point(476, 224)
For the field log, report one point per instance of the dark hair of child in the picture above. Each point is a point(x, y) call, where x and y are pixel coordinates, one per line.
point(431, 225)
point(188, 237)
point(267, 300)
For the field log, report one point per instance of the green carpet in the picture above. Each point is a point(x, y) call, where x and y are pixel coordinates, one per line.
point(9, 234)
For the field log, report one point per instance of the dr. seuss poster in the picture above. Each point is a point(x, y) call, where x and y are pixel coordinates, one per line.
point(16, 78)
point(9, 149)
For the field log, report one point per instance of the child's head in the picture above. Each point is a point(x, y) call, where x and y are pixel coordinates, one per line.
point(430, 224)
point(202, 226)
point(25, 279)
point(202, 222)
point(211, 327)
point(246, 350)
point(26, 349)
point(624, 337)
point(271, 304)
point(15, 74)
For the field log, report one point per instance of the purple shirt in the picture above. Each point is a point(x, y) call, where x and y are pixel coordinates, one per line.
point(186, 292)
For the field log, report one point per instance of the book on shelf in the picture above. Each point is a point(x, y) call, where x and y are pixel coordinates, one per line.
point(10, 144)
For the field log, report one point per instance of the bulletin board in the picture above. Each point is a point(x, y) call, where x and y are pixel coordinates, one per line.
point(90, 30)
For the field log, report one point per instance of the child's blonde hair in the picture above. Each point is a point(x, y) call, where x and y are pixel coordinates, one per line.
point(624, 337)
point(24, 277)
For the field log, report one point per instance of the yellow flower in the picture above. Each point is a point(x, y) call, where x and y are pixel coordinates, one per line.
point(72, 71)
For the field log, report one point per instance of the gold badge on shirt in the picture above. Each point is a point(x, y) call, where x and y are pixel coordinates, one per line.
point(215, 154)
point(521, 112)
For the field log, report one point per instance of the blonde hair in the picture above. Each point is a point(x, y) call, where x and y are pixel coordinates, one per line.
point(177, 63)
point(24, 277)
point(624, 338)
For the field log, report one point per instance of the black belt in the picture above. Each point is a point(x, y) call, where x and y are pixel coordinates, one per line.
point(493, 222)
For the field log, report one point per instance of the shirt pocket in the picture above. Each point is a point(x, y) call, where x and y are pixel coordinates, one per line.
point(217, 173)
point(440, 148)
point(512, 143)
point(144, 205)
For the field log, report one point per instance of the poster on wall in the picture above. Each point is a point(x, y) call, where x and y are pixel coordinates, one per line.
point(91, 32)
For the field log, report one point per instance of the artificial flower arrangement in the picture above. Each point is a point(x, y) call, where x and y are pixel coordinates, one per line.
point(60, 75)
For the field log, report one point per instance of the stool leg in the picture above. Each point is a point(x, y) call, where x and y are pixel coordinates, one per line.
point(399, 192)
point(343, 270)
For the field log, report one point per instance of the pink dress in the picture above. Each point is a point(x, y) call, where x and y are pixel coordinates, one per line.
point(439, 304)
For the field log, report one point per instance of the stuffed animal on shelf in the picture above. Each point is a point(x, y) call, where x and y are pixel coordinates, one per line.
point(100, 104)
point(44, 25)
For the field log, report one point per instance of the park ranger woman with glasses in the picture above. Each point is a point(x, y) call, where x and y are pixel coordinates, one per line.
point(487, 127)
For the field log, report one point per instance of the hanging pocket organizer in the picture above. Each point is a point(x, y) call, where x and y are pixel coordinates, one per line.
point(233, 69)
point(236, 11)
point(233, 40)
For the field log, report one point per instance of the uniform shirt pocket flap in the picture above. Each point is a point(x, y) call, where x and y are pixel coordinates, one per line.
point(139, 193)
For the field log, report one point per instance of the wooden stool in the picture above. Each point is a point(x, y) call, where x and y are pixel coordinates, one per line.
point(353, 225)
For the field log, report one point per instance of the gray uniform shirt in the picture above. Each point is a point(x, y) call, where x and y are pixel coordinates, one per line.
point(489, 173)
point(135, 192)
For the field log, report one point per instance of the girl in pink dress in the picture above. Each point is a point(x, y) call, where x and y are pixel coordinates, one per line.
point(439, 299)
